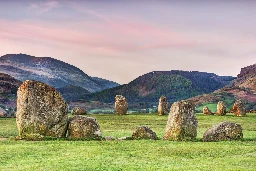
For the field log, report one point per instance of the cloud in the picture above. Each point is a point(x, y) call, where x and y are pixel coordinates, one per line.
point(42, 7)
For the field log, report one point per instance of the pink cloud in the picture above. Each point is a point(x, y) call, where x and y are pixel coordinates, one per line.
point(43, 6)
point(113, 36)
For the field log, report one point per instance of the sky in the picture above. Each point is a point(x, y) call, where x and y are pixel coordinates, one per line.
point(120, 40)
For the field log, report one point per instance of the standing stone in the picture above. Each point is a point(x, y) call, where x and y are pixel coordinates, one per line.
point(3, 113)
point(207, 111)
point(41, 111)
point(121, 105)
point(163, 106)
point(221, 109)
point(78, 111)
point(82, 127)
point(239, 108)
point(182, 122)
point(144, 132)
point(224, 131)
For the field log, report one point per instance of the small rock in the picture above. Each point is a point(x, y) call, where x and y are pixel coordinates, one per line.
point(78, 111)
point(163, 106)
point(121, 105)
point(82, 127)
point(144, 132)
point(239, 108)
point(221, 109)
point(224, 131)
point(207, 111)
point(124, 138)
point(109, 138)
point(3, 113)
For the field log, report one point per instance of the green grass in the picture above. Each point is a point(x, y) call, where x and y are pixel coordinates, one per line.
point(62, 154)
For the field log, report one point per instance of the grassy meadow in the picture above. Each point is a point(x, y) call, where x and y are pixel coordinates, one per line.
point(62, 154)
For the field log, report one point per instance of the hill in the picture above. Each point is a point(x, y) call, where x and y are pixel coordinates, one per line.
point(8, 91)
point(175, 85)
point(244, 87)
point(51, 71)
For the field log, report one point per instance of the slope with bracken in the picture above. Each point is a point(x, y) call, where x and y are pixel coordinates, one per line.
point(51, 71)
point(244, 87)
point(175, 85)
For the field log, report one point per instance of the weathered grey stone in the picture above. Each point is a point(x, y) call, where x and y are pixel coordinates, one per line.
point(163, 106)
point(124, 138)
point(182, 122)
point(82, 127)
point(109, 138)
point(221, 109)
point(144, 132)
point(41, 111)
point(224, 131)
point(121, 105)
point(207, 111)
point(3, 113)
point(78, 111)
point(239, 108)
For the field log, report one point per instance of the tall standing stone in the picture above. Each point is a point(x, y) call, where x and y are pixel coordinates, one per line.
point(221, 109)
point(207, 111)
point(121, 105)
point(239, 108)
point(163, 106)
point(41, 111)
point(182, 122)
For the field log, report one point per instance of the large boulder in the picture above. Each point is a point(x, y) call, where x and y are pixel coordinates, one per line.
point(207, 111)
point(82, 127)
point(163, 106)
point(224, 131)
point(121, 105)
point(221, 109)
point(239, 108)
point(41, 111)
point(144, 132)
point(3, 113)
point(78, 111)
point(182, 122)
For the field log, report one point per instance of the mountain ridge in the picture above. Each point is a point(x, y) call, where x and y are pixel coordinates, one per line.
point(175, 84)
point(51, 71)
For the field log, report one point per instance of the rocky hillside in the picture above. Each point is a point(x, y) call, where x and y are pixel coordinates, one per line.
point(175, 85)
point(72, 93)
point(51, 71)
point(244, 87)
point(8, 91)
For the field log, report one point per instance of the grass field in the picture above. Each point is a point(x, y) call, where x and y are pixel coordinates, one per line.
point(61, 154)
